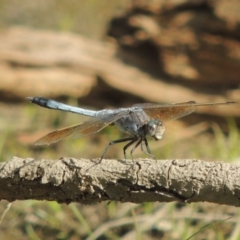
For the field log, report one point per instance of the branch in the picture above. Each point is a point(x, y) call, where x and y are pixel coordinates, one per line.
point(86, 181)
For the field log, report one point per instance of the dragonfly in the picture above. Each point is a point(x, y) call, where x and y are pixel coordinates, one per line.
point(141, 121)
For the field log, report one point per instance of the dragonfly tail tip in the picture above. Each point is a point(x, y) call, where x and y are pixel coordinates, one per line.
point(30, 99)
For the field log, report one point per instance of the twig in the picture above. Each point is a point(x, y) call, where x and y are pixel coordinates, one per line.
point(143, 180)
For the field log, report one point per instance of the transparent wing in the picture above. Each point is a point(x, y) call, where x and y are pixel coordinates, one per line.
point(166, 112)
point(91, 126)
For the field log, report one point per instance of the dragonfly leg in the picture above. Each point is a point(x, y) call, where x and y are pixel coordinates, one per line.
point(132, 139)
point(135, 147)
point(142, 146)
point(148, 152)
point(128, 145)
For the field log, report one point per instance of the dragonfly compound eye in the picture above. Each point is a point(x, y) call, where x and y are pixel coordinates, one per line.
point(155, 129)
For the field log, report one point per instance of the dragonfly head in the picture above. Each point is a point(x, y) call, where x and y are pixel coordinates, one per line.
point(155, 128)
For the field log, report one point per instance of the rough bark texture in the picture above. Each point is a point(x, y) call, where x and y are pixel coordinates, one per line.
point(81, 180)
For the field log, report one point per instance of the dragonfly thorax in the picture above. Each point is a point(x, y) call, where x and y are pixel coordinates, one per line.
point(154, 128)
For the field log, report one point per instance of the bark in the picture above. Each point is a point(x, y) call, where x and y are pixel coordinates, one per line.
point(87, 181)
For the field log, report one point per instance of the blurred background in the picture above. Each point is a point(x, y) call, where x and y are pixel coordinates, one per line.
point(110, 54)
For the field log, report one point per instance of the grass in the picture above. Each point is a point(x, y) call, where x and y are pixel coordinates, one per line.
point(88, 17)
point(49, 220)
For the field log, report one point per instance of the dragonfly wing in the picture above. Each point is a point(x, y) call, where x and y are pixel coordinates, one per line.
point(57, 135)
point(95, 125)
point(167, 112)
point(91, 126)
